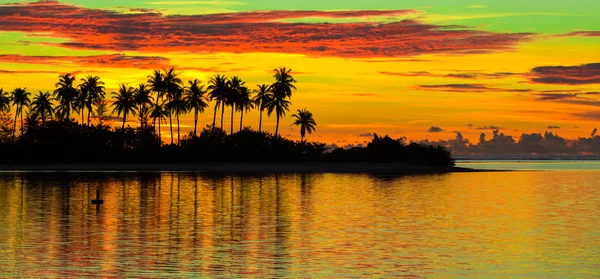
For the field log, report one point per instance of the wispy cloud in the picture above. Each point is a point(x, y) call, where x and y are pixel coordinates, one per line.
point(569, 75)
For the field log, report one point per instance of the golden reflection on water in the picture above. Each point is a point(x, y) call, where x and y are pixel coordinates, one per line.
point(478, 225)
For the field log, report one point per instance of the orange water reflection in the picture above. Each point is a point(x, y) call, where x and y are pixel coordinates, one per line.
point(483, 225)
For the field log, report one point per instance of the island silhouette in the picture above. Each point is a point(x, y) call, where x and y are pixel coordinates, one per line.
point(48, 134)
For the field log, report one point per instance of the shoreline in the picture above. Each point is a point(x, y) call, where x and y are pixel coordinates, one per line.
point(242, 168)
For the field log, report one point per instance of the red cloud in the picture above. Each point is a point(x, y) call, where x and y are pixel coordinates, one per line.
point(570, 75)
point(584, 34)
point(467, 87)
point(249, 32)
point(112, 60)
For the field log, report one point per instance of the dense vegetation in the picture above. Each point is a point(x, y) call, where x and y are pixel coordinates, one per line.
point(49, 133)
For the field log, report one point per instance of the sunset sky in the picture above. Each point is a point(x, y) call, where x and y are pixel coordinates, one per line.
point(420, 69)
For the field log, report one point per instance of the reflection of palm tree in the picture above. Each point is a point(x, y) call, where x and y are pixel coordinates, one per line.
point(172, 86)
point(20, 99)
point(124, 102)
point(261, 99)
point(65, 94)
point(94, 90)
point(42, 105)
point(4, 101)
point(233, 96)
point(196, 99)
point(157, 112)
point(218, 93)
point(143, 99)
point(305, 120)
point(245, 103)
point(155, 81)
point(178, 106)
point(282, 89)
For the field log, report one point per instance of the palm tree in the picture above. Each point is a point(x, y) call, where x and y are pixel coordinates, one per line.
point(156, 83)
point(4, 101)
point(245, 103)
point(305, 120)
point(233, 96)
point(178, 106)
point(143, 99)
point(172, 86)
point(282, 89)
point(65, 94)
point(20, 99)
point(261, 99)
point(158, 112)
point(93, 88)
point(218, 92)
point(42, 105)
point(79, 103)
point(195, 98)
point(124, 102)
point(279, 105)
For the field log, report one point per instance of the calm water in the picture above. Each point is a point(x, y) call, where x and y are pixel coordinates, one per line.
point(465, 225)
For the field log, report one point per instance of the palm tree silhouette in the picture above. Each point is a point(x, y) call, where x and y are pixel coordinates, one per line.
point(156, 83)
point(42, 105)
point(93, 88)
point(4, 101)
point(235, 85)
point(218, 92)
point(282, 89)
point(244, 103)
point(196, 99)
point(143, 100)
point(172, 86)
point(261, 99)
point(158, 112)
point(305, 120)
point(65, 94)
point(124, 102)
point(178, 106)
point(20, 99)
point(79, 103)
point(279, 105)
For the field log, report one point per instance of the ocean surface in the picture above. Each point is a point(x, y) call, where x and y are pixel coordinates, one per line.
point(539, 222)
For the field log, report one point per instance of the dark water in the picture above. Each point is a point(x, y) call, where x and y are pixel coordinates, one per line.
point(174, 225)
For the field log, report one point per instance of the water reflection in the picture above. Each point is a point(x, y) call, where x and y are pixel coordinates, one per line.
point(186, 225)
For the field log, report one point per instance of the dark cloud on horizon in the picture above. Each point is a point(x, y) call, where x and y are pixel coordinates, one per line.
point(568, 75)
point(468, 88)
point(246, 32)
point(553, 127)
point(435, 129)
point(490, 128)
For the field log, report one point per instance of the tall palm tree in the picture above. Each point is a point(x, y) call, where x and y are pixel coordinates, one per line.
point(65, 94)
point(218, 92)
point(233, 96)
point(279, 105)
point(261, 99)
point(305, 120)
point(172, 86)
point(158, 112)
point(282, 89)
point(143, 100)
point(4, 101)
point(42, 105)
point(124, 102)
point(156, 83)
point(196, 99)
point(244, 103)
point(20, 98)
point(79, 103)
point(177, 106)
point(93, 88)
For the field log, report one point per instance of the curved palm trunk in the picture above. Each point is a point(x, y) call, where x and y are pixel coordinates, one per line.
point(15, 126)
point(171, 125)
point(215, 116)
point(69, 114)
point(277, 127)
point(241, 119)
point(232, 111)
point(260, 121)
point(222, 113)
point(178, 136)
point(159, 134)
point(195, 120)
point(124, 119)
point(89, 116)
point(82, 114)
point(22, 123)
